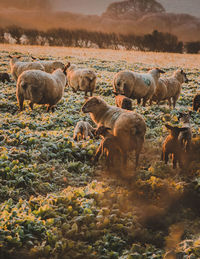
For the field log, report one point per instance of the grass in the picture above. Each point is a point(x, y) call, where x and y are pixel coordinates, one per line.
point(56, 204)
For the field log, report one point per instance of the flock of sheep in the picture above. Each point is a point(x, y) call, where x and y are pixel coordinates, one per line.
point(121, 129)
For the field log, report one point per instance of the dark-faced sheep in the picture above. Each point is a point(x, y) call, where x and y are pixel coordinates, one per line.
point(4, 77)
point(196, 102)
point(83, 130)
point(41, 87)
point(185, 137)
point(171, 145)
point(110, 148)
point(129, 127)
point(123, 102)
point(82, 79)
point(137, 85)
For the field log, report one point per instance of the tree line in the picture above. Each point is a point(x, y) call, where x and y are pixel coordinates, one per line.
point(155, 41)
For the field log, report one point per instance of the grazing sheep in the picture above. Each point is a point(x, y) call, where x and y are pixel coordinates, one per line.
point(4, 77)
point(82, 79)
point(123, 102)
point(109, 147)
point(137, 85)
point(40, 87)
point(171, 145)
point(82, 130)
point(160, 92)
point(196, 102)
point(173, 85)
point(17, 67)
point(49, 65)
point(129, 127)
point(185, 137)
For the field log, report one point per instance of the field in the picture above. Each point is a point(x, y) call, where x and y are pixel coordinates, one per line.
point(56, 204)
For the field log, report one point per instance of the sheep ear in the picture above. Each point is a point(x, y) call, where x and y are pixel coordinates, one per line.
point(161, 71)
point(169, 127)
point(10, 56)
point(34, 58)
point(107, 128)
point(181, 71)
point(127, 91)
point(18, 57)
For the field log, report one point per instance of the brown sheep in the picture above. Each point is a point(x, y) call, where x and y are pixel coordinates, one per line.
point(171, 145)
point(82, 130)
point(196, 102)
point(109, 147)
point(123, 102)
point(129, 127)
point(185, 137)
point(4, 77)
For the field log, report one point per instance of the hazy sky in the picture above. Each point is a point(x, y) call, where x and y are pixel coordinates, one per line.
point(99, 6)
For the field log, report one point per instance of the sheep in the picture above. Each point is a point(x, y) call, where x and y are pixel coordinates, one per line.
point(196, 102)
point(173, 85)
point(160, 92)
point(123, 102)
point(41, 87)
point(171, 145)
point(109, 147)
point(81, 79)
point(137, 85)
point(4, 77)
point(129, 127)
point(82, 130)
point(50, 65)
point(185, 137)
point(17, 67)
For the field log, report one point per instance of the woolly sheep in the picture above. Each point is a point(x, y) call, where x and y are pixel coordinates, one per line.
point(82, 79)
point(173, 85)
point(185, 137)
point(160, 92)
point(40, 87)
point(50, 65)
point(4, 77)
point(171, 145)
point(82, 130)
point(137, 85)
point(123, 102)
point(129, 127)
point(109, 147)
point(196, 102)
point(17, 67)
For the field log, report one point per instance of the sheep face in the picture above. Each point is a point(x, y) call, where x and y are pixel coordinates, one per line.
point(102, 131)
point(181, 76)
point(91, 104)
point(175, 131)
point(196, 102)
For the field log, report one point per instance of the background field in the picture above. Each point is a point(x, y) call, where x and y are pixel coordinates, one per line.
point(56, 204)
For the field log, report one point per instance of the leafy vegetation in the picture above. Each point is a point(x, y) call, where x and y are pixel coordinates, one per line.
point(56, 204)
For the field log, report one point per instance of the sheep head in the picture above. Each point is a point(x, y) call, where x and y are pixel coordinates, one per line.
point(156, 72)
point(175, 130)
point(181, 76)
point(102, 130)
point(92, 103)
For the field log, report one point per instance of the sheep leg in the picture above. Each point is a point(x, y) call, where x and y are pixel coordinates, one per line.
point(98, 153)
point(48, 108)
point(138, 101)
point(144, 102)
point(166, 157)
point(86, 93)
point(31, 105)
point(174, 160)
point(169, 101)
point(174, 101)
point(20, 102)
point(91, 93)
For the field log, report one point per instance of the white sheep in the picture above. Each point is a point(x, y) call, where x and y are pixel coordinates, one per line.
point(129, 127)
point(17, 67)
point(173, 85)
point(82, 130)
point(50, 65)
point(82, 79)
point(41, 87)
point(160, 92)
point(137, 85)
